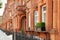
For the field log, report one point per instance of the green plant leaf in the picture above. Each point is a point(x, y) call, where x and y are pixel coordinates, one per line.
point(40, 24)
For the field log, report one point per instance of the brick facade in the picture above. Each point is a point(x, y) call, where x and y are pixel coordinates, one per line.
point(16, 13)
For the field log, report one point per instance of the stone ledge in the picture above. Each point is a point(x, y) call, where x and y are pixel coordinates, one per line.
point(37, 31)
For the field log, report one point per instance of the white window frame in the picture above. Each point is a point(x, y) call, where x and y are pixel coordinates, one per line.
point(43, 12)
point(36, 15)
point(29, 20)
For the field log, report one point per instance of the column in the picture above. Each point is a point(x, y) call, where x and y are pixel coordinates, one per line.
point(27, 21)
point(49, 15)
point(32, 19)
point(39, 13)
point(49, 18)
point(18, 23)
point(55, 11)
point(58, 19)
point(32, 9)
point(58, 15)
point(55, 14)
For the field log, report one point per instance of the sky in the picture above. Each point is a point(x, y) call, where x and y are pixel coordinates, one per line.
point(3, 6)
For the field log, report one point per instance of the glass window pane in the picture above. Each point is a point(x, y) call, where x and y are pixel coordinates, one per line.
point(44, 8)
point(36, 17)
point(43, 13)
point(36, 13)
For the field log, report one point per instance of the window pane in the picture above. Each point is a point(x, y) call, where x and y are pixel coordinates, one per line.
point(44, 8)
point(43, 13)
point(36, 13)
point(36, 17)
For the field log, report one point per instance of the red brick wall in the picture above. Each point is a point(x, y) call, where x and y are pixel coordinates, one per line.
point(52, 16)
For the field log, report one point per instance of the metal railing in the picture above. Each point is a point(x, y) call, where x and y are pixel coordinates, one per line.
point(20, 36)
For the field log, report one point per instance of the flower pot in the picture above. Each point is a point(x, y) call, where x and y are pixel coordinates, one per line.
point(43, 29)
point(38, 29)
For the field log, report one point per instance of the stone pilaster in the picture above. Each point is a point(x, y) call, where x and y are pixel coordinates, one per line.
point(58, 19)
point(14, 21)
point(55, 20)
point(49, 15)
point(32, 18)
point(49, 18)
point(18, 23)
point(58, 15)
point(55, 14)
point(39, 13)
point(27, 21)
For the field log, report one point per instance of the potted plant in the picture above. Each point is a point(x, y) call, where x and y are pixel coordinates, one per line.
point(41, 26)
point(38, 26)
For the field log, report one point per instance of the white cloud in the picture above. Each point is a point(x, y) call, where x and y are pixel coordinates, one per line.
point(3, 6)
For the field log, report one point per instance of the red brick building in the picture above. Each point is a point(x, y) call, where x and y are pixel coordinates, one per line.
point(26, 13)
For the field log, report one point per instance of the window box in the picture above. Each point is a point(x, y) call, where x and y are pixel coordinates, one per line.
point(40, 26)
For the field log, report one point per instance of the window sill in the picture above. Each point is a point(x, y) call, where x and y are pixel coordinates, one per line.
point(37, 31)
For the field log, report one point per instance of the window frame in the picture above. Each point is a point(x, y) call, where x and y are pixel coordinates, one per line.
point(43, 12)
point(36, 16)
point(29, 20)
